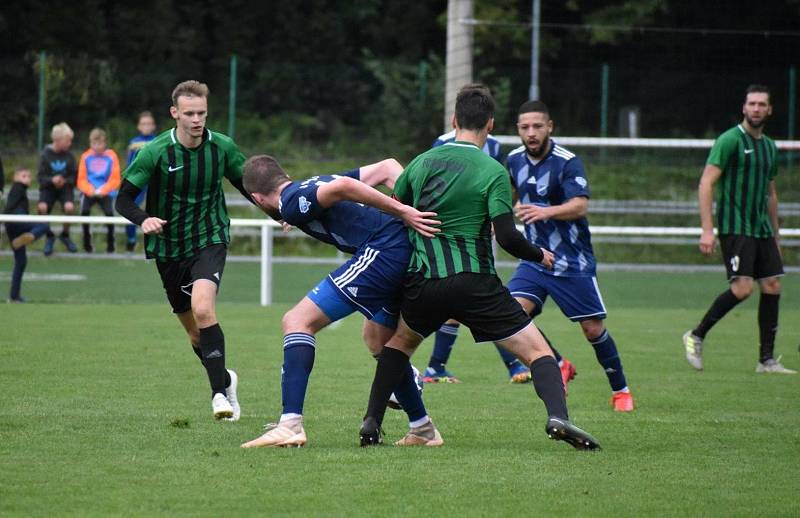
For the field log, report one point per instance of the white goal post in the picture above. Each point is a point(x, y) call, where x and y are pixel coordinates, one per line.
point(267, 227)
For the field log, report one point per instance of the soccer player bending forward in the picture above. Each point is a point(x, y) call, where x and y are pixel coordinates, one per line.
point(452, 273)
point(347, 212)
point(186, 227)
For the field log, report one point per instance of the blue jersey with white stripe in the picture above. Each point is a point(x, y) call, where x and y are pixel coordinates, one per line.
point(553, 180)
point(346, 225)
point(491, 147)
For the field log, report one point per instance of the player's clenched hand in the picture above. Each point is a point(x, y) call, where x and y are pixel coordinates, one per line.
point(153, 225)
point(530, 213)
point(707, 242)
point(421, 221)
point(548, 259)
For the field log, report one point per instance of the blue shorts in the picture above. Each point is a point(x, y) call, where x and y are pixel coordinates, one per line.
point(370, 283)
point(578, 297)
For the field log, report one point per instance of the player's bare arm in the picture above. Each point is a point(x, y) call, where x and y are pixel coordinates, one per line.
point(384, 172)
point(574, 208)
point(346, 188)
point(772, 210)
point(711, 174)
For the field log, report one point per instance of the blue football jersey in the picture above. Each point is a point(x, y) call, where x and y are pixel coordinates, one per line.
point(491, 147)
point(553, 180)
point(346, 225)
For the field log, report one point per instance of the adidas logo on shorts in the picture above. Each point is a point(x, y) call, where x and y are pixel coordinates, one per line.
point(353, 291)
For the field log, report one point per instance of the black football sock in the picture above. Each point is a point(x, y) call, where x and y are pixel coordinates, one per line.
point(197, 352)
point(212, 345)
point(392, 364)
point(767, 325)
point(724, 303)
point(548, 385)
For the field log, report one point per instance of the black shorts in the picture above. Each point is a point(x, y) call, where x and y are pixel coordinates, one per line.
point(106, 203)
point(747, 256)
point(179, 275)
point(477, 300)
point(49, 195)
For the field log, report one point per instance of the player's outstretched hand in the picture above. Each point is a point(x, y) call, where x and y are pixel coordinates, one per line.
point(153, 225)
point(421, 221)
point(530, 213)
point(548, 259)
point(707, 242)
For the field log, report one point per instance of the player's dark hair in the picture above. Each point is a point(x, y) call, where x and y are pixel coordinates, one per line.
point(757, 89)
point(474, 107)
point(534, 107)
point(263, 174)
point(189, 88)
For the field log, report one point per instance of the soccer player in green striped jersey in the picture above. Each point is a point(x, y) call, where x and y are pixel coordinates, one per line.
point(743, 163)
point(452, 274)
point(186, 226)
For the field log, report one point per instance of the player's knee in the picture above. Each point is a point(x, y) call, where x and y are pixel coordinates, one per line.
point(771, 286)
point(204, 313)
point(294, 321)
point(592, 328)
point(742, 287)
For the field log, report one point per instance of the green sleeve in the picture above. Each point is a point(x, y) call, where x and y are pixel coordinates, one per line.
point(499, 194)
point(725, 147)
point(141, 169)
point(402, 188)
point(773, 171)
point(235, 169)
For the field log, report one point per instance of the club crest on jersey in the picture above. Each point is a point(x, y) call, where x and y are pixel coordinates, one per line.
point(541, 185)
point(304, 204)
point(580, 180)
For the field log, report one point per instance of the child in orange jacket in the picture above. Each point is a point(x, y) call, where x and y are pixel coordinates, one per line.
point(98, 181)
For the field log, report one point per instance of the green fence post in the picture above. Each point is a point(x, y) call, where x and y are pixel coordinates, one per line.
point(604, 107)
point(42, 93)
point(792, 109)
point(423, 81)
point(232, 99)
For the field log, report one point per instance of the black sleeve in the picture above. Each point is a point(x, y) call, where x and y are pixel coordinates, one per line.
point(513, 241)
point(126, 203)
point(240, 187)
point(16, 197)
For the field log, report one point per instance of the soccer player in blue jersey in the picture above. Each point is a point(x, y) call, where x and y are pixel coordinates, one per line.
point(445, 337)
point(347, 212)
point(553, 193)
point(146, 126)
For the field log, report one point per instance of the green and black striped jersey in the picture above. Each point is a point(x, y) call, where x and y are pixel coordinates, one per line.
point(184, 187)
point(748, 166)
point(466, 188)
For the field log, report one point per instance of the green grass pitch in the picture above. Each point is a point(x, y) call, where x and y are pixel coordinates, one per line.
point(105, 411)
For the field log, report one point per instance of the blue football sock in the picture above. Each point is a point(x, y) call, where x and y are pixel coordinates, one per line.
point(298, 360)
point(407, 393)
point(508, 359)
point(443, 346)
point(606, 351)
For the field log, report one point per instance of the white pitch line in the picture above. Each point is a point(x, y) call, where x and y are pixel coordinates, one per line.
point(46, 277)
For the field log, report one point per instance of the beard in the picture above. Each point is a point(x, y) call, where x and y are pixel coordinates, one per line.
point(540, 151)
point(755, 124)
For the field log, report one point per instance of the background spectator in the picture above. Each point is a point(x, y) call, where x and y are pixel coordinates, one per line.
point(146, 126)
point(98, 181)
point(57, 172)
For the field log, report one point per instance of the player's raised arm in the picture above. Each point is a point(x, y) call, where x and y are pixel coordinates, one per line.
point(384, 172)
point(349, 189)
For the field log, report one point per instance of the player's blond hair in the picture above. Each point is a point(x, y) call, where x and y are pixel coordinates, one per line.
point(61, 130)
point(189, 88)
point(97, 134)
